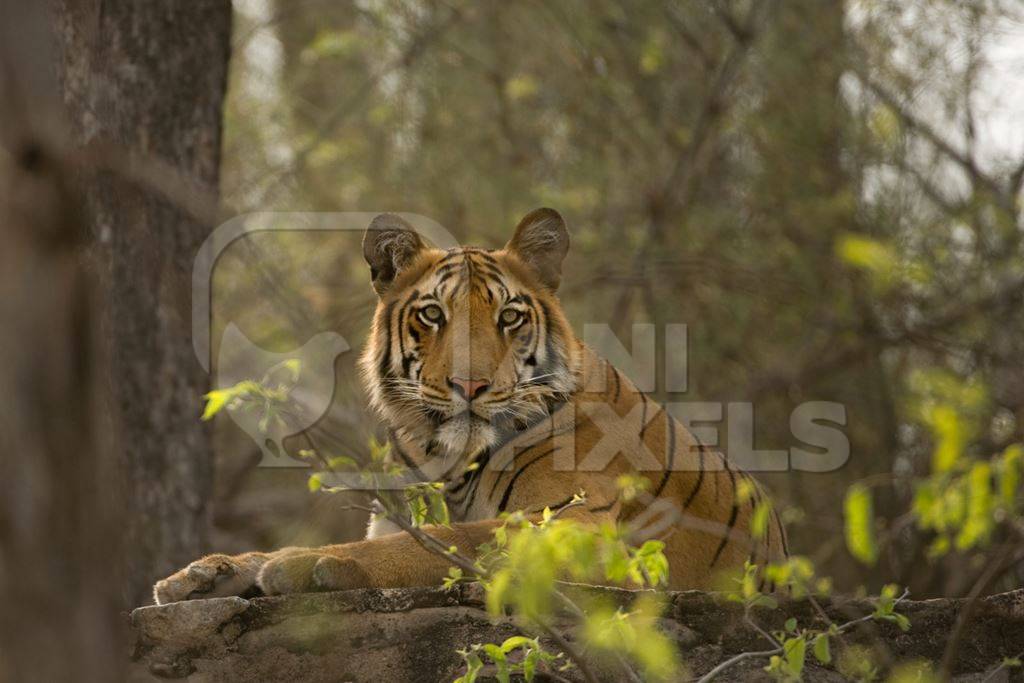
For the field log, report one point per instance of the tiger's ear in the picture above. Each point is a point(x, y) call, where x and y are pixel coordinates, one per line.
point(389, 245)
point(542, 241)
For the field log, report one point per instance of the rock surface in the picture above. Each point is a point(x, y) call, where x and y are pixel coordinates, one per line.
point(412, 635)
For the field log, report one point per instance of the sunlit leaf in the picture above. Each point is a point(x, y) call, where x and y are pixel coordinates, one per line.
point(821, 649)
point(521, 87)
point(860, 524)
point(759, 519)
point(215, 400)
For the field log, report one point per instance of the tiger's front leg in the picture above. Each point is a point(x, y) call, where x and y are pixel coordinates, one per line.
point(390, 561)
point(214, 576)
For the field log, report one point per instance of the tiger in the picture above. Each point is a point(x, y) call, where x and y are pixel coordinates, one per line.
point(484, 387)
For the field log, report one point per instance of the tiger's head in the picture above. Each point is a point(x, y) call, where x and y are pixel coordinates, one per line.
point(467, 344)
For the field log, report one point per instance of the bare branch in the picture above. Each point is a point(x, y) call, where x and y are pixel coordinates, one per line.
point(733, 661)
point(926, 131)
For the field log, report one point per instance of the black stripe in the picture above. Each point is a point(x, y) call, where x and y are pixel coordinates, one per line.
point(534, 334)
point(487, 258)
point(445, 272)
point(732, 520)
point(401, 337)
point(469, 495)
point(503, 288)
point(511, 484)
point(782, 532)
point(700, 480)
point(670, 455)
point(384, 366)
point(515, 456)
point(468, 475)
point(618, 385)
point(549, 346)
point(404, 456)
point(451, 256)
point(489, 269)
point(643, 417)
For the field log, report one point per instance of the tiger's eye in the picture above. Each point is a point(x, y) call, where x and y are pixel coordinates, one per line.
point(432, 313)
point(509, 316)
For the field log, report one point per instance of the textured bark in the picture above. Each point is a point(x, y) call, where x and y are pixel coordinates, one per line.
point(58, 553)
point(413, 634)
point(147, 79)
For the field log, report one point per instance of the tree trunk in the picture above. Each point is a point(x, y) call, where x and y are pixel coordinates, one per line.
point(59, 550)
point(147, 79)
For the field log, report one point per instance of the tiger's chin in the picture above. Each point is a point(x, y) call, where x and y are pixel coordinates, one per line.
point(466, 434)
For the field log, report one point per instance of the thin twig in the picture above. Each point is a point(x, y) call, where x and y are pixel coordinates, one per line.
point(754, 625)
point(1002, 665)
point(736, 660)
point(569, 649)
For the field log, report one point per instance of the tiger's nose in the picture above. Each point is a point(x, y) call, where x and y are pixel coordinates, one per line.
point(468, 388)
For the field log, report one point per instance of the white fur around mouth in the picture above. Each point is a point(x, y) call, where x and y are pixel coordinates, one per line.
point(465, 433)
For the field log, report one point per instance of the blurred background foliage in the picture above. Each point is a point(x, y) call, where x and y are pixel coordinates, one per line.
point(828, 194)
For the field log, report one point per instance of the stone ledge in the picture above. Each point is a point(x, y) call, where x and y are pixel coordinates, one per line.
point(411, 634)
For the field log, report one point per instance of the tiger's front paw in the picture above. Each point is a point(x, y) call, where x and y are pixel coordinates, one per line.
point(311, 572)
point(214, 576)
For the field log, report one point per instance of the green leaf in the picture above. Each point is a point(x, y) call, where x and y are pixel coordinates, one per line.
point(497, 591)
point(759, 519)
point(294, 366)
point(1010, 470)
point(795, 650)
point(791, 625)
point(314, 483)
point(341, 461)
point(652, 55)
point(530, 665)
point(822, 652)
point(884, 123)
point(215, 400)
point(860, 524)
point(439, 510)
point(951, 436)
point(878, 259)
point(418, 511)
point(979, 523)
point(521, 87)
point(454, 576)
point(494, 652)
point(902, 621)
point(473, 666)
point(516, 641)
